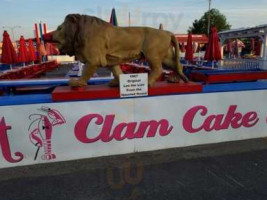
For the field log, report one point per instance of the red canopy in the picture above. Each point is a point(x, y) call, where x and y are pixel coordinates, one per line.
point(9, 55)
point(199, 38)
point(213, 51)
point(189, 49)
point(23, 53)
point(32, 55)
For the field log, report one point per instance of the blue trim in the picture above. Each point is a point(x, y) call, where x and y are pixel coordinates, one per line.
point(4, 67)
point(47, 98)
point(25, 99)
point(228, 87)
point(47, 82)
point(207, 72)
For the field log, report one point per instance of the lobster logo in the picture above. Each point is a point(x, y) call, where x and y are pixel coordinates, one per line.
point(41, 129)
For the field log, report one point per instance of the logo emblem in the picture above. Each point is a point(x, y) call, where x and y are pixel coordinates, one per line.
point(41, 130)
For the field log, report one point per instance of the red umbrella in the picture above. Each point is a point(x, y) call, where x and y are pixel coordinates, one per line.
point(213, 51)
point(23, 53)
point(9, 55)
point(32, 55)
point(189, 48)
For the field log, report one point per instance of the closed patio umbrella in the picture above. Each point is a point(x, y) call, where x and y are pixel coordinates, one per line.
point(9, 55)
point(23, 52)
point(113, 18)
point(189, 49)
point(32, 55)
point(213, 51)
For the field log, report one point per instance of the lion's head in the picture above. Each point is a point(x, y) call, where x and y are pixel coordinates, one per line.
point(66, 35)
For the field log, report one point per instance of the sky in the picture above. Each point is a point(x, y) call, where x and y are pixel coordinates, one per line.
point(175, 15)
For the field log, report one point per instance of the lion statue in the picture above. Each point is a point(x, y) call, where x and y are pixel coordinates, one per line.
point(100, 44)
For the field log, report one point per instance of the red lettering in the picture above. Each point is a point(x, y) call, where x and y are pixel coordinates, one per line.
point(189, 118)
point(232, 118)
point(107, 126)
point(213, 122)
point(129, 129)
point(218, 122)
point(250, 119)
point(5, 144)
point(82, 125)
point(121, 131)
point(151, 127)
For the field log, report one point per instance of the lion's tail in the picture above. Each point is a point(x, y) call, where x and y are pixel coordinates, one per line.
point(177, 59)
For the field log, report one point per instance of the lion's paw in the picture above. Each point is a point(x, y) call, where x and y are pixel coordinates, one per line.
point(151, 83)
point(77, 83)
point(114, 83)
point(173, 79)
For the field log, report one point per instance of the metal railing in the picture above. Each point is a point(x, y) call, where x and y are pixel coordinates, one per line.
point(242, 64)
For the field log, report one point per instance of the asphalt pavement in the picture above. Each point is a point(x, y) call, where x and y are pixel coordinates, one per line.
point(234, 170)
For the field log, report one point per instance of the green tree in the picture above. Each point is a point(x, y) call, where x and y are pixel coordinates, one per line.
point(216, 18)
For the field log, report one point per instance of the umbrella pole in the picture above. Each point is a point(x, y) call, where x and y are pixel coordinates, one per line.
point(212, 64)
point(11, 66)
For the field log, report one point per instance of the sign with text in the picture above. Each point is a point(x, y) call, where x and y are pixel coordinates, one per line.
point(52, 132)
point(133, 85)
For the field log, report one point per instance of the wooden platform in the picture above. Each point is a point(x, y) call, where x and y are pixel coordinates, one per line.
point(66, 93)
point(226, 77)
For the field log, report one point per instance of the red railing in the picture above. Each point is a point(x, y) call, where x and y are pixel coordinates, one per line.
point(29, 72)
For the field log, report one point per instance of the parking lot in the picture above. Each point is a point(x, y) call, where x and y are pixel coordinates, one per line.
point(235, 170)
